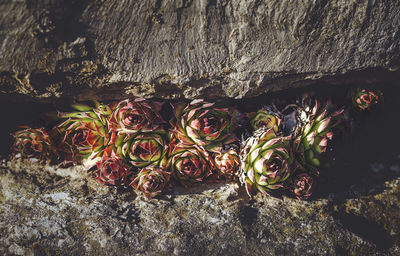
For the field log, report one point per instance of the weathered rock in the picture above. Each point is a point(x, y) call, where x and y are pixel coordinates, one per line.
point(62, 211)
point(168, 49)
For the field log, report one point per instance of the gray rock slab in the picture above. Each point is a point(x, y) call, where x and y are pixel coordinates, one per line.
point(47, 210)
point(172, 49)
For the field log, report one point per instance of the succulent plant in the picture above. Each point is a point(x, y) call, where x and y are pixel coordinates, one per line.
point(204, 124)
point(365, 99)
point(303, 186)
point(189, 163)
point(265, 117)
point(265, 161)
point(139, 115)
point(227, 163)
point(31, 142)
point(143, 149)
point(151, 181)
point(129, 138)
point(85, 133)
point(111, 170)
point(315, 132)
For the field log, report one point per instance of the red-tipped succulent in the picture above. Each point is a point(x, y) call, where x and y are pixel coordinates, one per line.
point(189, 163)
point(266, 161)
point(111, 170)
point(267, 118)
point(151, 181)
point(317, 129)
point(33, 143)
point(126, 143)
point(139, 115)
point(365, 99)
point(84, 133)
point(143, 149)
point(227, 163)
point(303, 186)
point(204, 124)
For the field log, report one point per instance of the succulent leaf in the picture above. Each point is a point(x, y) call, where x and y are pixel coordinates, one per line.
point(364, 99)
point(85, 134)
point(267, 118)
point(111, 171)
point(139, 115)
point(265, 161)
point(203, 124)
point(303, 186)
point(143, 149)
point(189, 163)
point(151, 181)
point(31, 142)
point(227, 163)
point(312, 137)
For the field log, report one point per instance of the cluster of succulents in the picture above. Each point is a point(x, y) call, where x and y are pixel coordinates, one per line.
point(129, 143)
point(274, 158)
point(202, 142)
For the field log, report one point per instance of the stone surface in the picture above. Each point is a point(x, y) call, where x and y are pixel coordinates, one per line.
point(62, 211)
point(207, 48)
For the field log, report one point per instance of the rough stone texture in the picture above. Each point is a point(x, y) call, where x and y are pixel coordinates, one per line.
point(168, 49)
point(88, 49)
point(61, 211)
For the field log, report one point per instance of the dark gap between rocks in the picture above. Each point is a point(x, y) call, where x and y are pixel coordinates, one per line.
point(367, 229)
point(363, 159)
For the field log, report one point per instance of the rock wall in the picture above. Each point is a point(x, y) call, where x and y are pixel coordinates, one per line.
point(61, 211)
point(179, 48)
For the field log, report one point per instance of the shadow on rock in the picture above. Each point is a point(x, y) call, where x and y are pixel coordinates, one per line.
point(366, 229)
point(368, 157)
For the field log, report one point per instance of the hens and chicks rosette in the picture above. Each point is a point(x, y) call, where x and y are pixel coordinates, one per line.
point(365, 99)
point(203, 141)
point(128, 143)
point(118, 143)
point(31, 143)
point(284, 151)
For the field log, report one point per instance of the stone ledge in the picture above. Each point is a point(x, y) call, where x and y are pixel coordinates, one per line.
point(62, 211)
